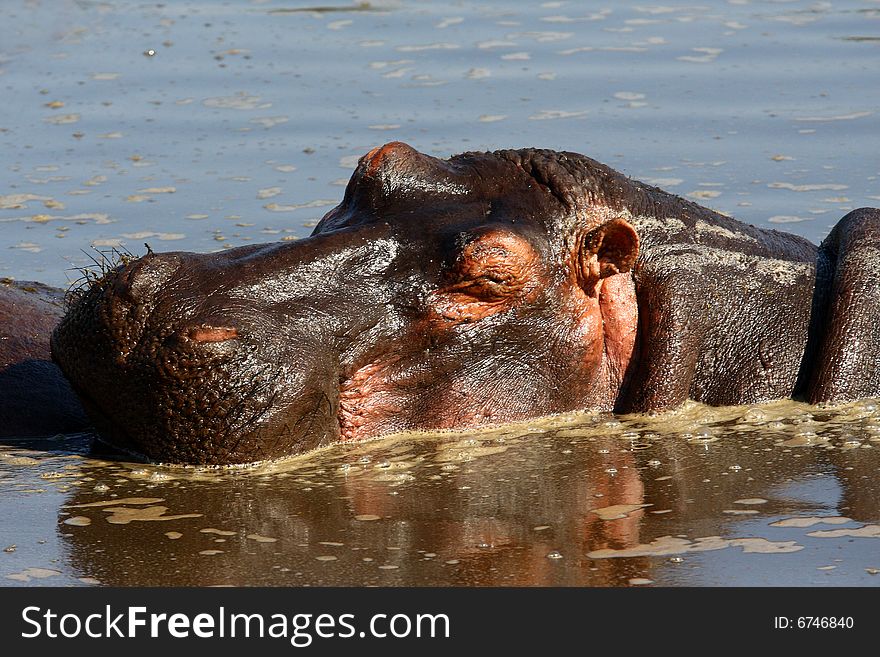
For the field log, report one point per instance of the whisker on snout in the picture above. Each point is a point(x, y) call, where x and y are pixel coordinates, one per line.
point(105, 265)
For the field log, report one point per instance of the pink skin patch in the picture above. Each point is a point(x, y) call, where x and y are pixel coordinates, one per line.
point(364, 400)
point(620, 316)
point(213, 334)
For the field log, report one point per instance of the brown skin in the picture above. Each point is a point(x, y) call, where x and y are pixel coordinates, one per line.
point(487, 288)
point(35, 398)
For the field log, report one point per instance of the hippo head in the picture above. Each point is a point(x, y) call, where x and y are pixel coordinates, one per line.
point(439, 294)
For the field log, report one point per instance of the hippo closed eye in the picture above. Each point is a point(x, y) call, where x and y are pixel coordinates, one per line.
point(486, 288)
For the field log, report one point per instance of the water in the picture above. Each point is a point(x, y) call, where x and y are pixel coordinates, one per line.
point(203, 126)
point(248, 117)
point(561, 501)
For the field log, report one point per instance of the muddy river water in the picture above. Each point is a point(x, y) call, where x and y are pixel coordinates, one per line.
point(201, 126)
point(777, 494)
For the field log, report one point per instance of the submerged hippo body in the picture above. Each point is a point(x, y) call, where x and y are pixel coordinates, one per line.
point(487, 288)
point(35, 398)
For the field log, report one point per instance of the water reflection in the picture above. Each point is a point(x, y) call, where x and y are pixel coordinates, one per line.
point(778, 494)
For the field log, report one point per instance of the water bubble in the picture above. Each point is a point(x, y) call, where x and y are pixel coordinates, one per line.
point(703, 437)
point(554, 555)
point(611, 470)
point(654, 463)
point(735, 468)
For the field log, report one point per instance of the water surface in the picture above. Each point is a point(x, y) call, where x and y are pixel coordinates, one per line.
point(779, 494)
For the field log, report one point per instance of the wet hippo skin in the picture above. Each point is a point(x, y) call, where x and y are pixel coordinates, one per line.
point(482, 289)
point(35, 398)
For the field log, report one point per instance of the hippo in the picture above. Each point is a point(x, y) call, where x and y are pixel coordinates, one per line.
point(459, 293)
point(35, 398)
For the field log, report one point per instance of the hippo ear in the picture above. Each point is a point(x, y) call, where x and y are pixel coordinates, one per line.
point(608, 249)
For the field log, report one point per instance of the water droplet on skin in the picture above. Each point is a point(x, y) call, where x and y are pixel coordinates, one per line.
point(654, 463)
point(554, 555)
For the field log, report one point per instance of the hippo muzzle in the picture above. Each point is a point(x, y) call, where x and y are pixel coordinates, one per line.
point(231, 357)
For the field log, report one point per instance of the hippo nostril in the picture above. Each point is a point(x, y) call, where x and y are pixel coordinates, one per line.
point(212, 333)
point(144, 277)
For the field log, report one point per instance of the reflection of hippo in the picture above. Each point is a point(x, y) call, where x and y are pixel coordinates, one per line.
point(489, 287)
point(494, 517)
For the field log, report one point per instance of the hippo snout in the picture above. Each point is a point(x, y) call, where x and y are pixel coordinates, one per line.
point(172, 366)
